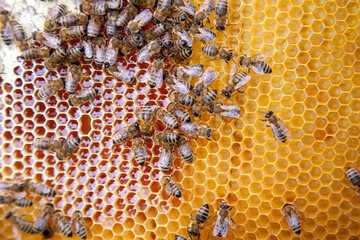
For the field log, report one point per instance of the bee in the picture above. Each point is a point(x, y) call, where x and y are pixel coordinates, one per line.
point(143, 3)
point(48, 39)
point(54, 13)
point(179, 237)
point(125, 16)
point(29, 186)
point(197, 225)
point(202, 34)
point(62, 224)
point(170, 187)
point(198, 109)
point(167, 118)
point(181, 55)
point(50, 88)
point(6, 32)
point(94, 26)
point(188, 72)
point(292, 217)
point(189, 8)
point(182, 99)
point(48, 143)
point(185, 151)
point(221, 11)
point(179, 45)
point(162, 10)
point(206, 79)
point(204, 11)
point(354, 178)
point(139, 21)
point(235, 82)
point(71, 20)
point(178, 112)
point(256, 64)
point(279, 130)
point(223, 221)
point(21, 224)
point(195, 129)
point(88, 51)
point(74, 54)
point(100, 52)
point(112, 51)
point(218, 52)
point(167, 139)
point(73, 77)
point(19, 35)
point(229, 111)
point(150, 49)
point(209, 97)
point(82, 96)
point(184, 36)
point(44, 217)
point(126, 133)
point(179, 86)
point(130, 42)
point(122, 73)
point(178, 16)
point(155, 78)
point(35, 53)
point(111, 23)
point(115, 4)
point(146, 117)
point(166, 158)
point(79, 224)
point(68, 148)
point(21, 202)
point(67, 34)
point(56, 58)
point(96, 8)
point(139, 150)
point(155, 31)
point(167, 39)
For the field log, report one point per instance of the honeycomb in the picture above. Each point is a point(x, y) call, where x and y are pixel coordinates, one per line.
point(313, 47)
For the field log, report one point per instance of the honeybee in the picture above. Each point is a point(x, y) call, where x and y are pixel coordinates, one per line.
point(50, 88)
point(278, 129)
point(115, 4)
point(79, 224)
point(183, 35)
point(146, 117)
point(21, 224)
point(139, 21)
point(71, 20)
point(19, 35)
point(178, 112)
point(189, 8)
point(170, 187)
point(94, 26)
point(62, 224)
point(162, 10)
point(48, 39)
point(21, 202)
point(179, 237)
point(44, 217)
point(67, 34)
point(56, 58)
point(167, 139)
point(195, 129)
point(185, 151)
point(48, 143)
point(155, 78)
point(126, 15)
point(139, 150)
point(150, 49)
point(206, 79)
point(112, 51)
point(130, 42)
point(167, 39)
point(178, 16)
point(166, 158)
point(292, 217)
point(179, 86)
point(96, 8)
point(155, 31)
point(256, 64)
point(178, 45)
point(126, 133)
point(111, 23)
point(218, 52)
point(209, 97)
point(27, 185)
point(100, 53)
point(229, 111)
point(235, 82)
point(73, 77)
point(198, 109)
point(74, 54)
point(181, 55)
point(82, 96)
point(88, 51)
point(167, 118)
point(182, 99)
point(223, 221)
point(204, 34)
point(35, 53)
point(197, 224)
point(5, 27)
point(123, 74)
point(68, 148)
point(50, 23)
point(204, 11)
point(354, 178)
point(188, 72)
point(221, 11)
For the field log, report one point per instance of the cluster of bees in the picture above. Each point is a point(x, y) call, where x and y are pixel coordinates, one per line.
point(15, 195)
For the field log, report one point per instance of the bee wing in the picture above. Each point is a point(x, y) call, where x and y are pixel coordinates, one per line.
point(259, 56)
point(230, 108)
point(127, 76)
point(257, 70)
point(88, 51)
point(193, 71)
point(159, 78)
point(204, 5)
point(100, 52)
point(8, 30)
point(111, 53)
point(233, 70)
point(244, 81)
point(286, 130)
point(4, 186)
point(230, 111)
point(217, 226)
point(180, 87)
point(144, 17)
point(186, 37)
point(51, 40)
point(205, 35)
point(231, 223)
point(189, 8)
point(144, 54)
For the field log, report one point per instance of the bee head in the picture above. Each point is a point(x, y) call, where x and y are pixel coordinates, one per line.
point(183, 43)
point(225, 93)
point(220, 28)
point(241, 61)
point(183, 17)
point(8, 215)
point(209, 133)
point(107, 65)
point(211, 109)
point(229, 57)
point(269, 114)
point(224, 206)
point(137, 126)
point(194, 113)
point(192, 233)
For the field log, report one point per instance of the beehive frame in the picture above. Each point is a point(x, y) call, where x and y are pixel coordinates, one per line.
point(313, 47)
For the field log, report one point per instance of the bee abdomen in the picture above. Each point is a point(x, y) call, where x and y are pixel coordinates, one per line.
point(24, 202)
point(203, 213)
point(263, 65)
point(175, 190)
point(139, 156)
point(296, 229)
point(353, 176)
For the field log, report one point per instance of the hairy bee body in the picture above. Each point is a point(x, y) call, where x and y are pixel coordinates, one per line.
point(146, 116)
point(6, 32)
point(68, 148)
point(209, 97)
point(166, 159)
point(67, 34)
point(218, 52)
point(82, 96)
point(74, 54)
point(179, 237)
point(126, 133)
point(35, 53)
point(56, 58)
point(71, 20)
point(256, 64)
point(139, 149)
point(44, 217)
point(39, 189)
point(195, 129)
point(79, 224)
point(62, 224)
point(292, 217)
point(179, 112)
point(181, 55)
point(197, 225)
point(47, 144)
point(88, 51)
point(97, 8)
point(21, 224)
point(353, 176)
point(171, 188)
point(155, 31)
point(278, 128)
point(125, 16)
point(182, 99)
point(167, 118)
point(72, 78)
point(94, 26)
point(50, 88)
point(185, 152)
point(112, 51)
point(21, 202)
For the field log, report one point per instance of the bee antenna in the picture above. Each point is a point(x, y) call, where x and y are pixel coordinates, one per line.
point(269, 107)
